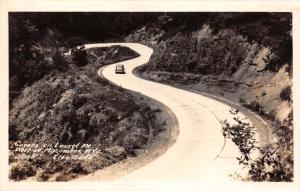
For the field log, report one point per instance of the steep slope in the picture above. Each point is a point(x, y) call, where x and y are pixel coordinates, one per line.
point(77, 107)
point(244, 58)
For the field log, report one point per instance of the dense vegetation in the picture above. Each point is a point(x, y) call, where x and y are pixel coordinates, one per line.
point(76, 106)
point(38, 40)
point(55, 98)
point(268, 29)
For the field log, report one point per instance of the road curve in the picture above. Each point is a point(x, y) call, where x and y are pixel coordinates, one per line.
point(200, 152)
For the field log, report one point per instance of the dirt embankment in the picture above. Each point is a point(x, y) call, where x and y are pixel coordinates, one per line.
point(76, 106)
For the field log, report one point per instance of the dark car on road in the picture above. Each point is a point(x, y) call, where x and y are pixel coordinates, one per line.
point(120, 69)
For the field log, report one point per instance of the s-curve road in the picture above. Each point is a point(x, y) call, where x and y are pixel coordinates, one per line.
point(200, 151)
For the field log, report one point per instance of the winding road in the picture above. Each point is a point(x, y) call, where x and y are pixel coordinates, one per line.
point(200, 152)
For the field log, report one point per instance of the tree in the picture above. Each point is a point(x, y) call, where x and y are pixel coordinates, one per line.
point(80, 57)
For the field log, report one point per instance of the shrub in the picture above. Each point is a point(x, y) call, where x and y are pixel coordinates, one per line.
point(59, 61)
point(242, 135)
point(272, 165)
point(254, 106)
point(275, 162)
point(286, 94)
point(80, 57)
point(22, 171)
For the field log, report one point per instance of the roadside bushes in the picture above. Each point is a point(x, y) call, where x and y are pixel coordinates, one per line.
point(22, 171)
point(254, 106)
point(286, 94)
point(258, 108)
point(272, 165)
point(242, 135)
point(275, 160)
point(80, 57)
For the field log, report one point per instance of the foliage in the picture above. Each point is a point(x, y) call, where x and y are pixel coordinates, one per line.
point(286, 94)
point(273, 165)
point(22, 171)
point(254, 106)
point(222, 53)
point(258, 108)
point(33, 53)
point(77, 106)
point(84, 25)
point(79, 57)
point(275, 161)
point(242, 135)
point(269, 29)
point(32, 65)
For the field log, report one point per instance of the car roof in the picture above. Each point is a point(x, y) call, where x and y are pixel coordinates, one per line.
point(120, 65)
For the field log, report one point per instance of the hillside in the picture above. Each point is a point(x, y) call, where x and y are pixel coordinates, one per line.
point(243, 57)
point(57, 98)
point(76, 106)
